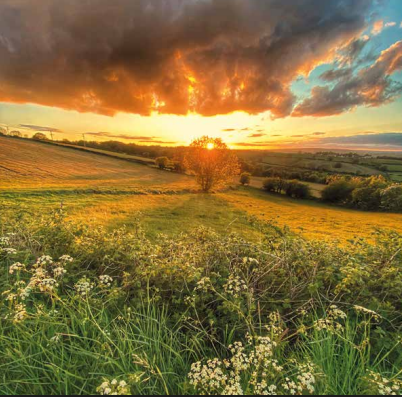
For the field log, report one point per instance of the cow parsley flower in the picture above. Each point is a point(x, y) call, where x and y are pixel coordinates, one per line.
point(16, 267)
point(114, 388)
point(84, 286)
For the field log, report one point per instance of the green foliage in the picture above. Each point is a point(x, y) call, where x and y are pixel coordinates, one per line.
point(370, 194)
point(338, 192)
point(124, 308)
point(297, 190)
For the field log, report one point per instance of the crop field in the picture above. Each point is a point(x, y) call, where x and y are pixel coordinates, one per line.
point(32, 165)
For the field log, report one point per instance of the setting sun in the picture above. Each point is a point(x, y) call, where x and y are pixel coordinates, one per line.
point(210, 146)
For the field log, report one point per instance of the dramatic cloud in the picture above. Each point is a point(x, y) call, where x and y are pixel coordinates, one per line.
point(171, 56)
point(371, 86)
point(39, 128)
point(336, 74)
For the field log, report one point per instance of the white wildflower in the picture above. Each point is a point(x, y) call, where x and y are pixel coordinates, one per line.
point(16, 267)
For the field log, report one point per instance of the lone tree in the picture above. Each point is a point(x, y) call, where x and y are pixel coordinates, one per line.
point(213, 163)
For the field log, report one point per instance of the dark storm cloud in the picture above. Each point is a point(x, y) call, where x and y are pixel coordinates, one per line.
point(39, 128)
point(371, 86)
point(171, 56)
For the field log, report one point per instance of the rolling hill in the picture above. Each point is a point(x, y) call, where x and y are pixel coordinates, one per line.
point(29, 164)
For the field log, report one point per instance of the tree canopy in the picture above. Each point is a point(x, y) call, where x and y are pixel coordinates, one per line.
point(213, 163)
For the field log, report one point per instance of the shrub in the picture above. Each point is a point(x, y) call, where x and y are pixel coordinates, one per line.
point(245, 178)
point(339, 191)
point(367, 198)
point(391, 198)
point(274, 185)
point(298, 190)
point(338, 165)
point(162, 162)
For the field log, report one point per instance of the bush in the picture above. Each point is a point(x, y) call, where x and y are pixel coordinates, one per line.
point(274, 185)
point(162, 162)
point(391, 198)
point(367, 198)
point(298, 190)
point(338, 165)
point(339, 191)
point(245, 178)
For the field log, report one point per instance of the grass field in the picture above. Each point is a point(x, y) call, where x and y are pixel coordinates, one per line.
point(110, 192)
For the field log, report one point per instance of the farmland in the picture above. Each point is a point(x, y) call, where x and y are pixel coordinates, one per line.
point(111, 192)
point(330, 163)
point(32, 165)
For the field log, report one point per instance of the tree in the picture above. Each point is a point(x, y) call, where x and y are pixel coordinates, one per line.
point(3, 131)
point(213, 163)
point(245, 178)
point(338, 191)
point(391, 198)
point(16, 134)
point(338, 165)
point(40, 137)
point(274, 184)
point(297, 190)
point(162, 162)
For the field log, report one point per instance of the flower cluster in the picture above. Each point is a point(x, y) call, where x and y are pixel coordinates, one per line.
point(113, 388)
point(235, 286)
point(383, 386)
point(43, 277)
point(105, 281)
point(332, 322)
point(371, 313)
point(5, 246)
point(16, 267)
point(84, 286)
point(203, 285)
point(251, 370)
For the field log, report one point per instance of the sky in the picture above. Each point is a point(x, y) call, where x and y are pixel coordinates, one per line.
point(261, 74)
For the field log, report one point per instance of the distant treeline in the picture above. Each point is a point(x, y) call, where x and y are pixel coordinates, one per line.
point(369, 194)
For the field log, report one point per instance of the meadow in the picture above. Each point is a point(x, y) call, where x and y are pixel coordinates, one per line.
point(119, 278)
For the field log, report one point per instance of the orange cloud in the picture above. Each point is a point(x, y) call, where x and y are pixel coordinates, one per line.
point(174, 57)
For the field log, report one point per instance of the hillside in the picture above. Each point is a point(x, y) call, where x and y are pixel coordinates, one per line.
point(29, 164)
point(37, 177)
